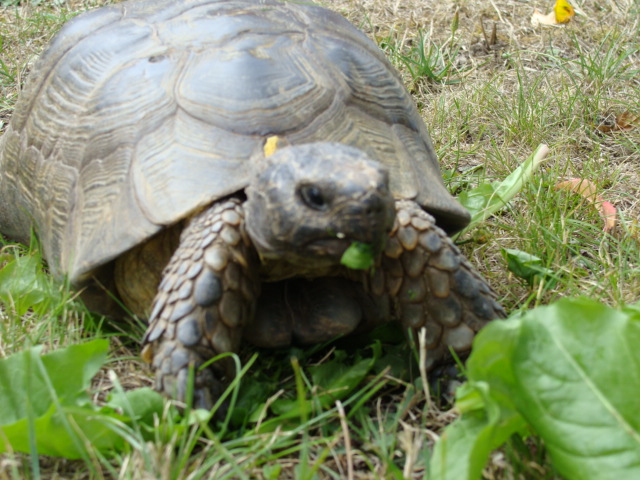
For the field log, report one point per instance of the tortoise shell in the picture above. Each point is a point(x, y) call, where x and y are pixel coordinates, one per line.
point(141, 113)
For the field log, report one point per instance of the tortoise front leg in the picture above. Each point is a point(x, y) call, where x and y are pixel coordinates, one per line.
point(206, 296)
point(433, 285)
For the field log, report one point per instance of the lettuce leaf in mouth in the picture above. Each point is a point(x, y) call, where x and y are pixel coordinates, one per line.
point(359, 256)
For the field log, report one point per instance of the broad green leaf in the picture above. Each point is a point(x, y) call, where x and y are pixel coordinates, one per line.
point(477, 199)
point(68, 432)
point(49, 392)
point(141, 404)
point(463, 450)
point(272, 472)
point(337, 377)
point(254, 392)
point(577, 369)
point(633, 311)
point(488, 415)
point(24, 386)
point(334, 380)
point(572, 371)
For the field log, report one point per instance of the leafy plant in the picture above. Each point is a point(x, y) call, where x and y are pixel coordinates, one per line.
point(488, 198)
point(46, 408)
point(25, 285)
point(555, 371)
point(529, 267)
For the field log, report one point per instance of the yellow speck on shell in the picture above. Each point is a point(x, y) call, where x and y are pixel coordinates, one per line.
point(270, 146)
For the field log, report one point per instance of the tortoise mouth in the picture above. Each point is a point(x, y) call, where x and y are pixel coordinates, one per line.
point(334, 247)
point(328, 247)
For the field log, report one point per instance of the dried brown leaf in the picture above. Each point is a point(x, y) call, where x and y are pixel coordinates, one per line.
point(587, 189)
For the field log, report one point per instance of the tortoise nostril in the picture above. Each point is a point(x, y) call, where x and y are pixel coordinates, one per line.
point(375, 207)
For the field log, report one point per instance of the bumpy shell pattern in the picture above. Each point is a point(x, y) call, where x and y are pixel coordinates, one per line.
point(141, 113)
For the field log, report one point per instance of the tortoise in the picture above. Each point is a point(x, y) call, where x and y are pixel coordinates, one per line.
point(137, 155)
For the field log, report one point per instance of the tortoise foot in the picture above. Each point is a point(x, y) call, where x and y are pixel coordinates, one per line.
point(433, 285)
point(203, 302)
point(174, 365)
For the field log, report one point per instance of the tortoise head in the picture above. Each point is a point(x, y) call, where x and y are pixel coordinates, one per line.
point(308, 203)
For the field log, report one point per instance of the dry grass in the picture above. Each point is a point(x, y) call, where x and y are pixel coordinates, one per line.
point(504, 95)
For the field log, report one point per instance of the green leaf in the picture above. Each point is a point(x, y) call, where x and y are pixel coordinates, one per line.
point(463, 450)
point(486, 199)
point(25, 386)
point(272, 472)
point(334, 380)
point(44, 402)
point(477, 199)
point(527, 266)
point(488, 414)
point(24, 285)
point(68, 432)
point(578, 384)
point(337, 377)
point(359, 256)
point(254, 393)
point(572, 371)
point(141, 404)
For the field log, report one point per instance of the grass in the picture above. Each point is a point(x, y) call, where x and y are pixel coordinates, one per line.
point(488, 103)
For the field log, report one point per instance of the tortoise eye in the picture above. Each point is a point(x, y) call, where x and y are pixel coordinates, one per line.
point(312, 196)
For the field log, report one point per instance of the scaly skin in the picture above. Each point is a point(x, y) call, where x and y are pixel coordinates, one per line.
point(206, 297)
point(432, 285)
